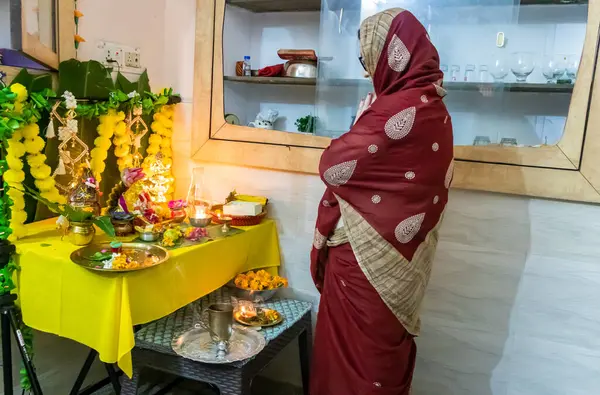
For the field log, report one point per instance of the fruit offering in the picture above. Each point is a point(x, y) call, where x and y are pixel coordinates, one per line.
point(259, 281)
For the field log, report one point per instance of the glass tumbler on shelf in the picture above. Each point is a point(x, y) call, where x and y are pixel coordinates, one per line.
point(499, 69)
point(553, 69)
point(483, 73)
point(444, 69)
point(469, 73)
point(572, 67)
point(522, 65)
point(454, 71)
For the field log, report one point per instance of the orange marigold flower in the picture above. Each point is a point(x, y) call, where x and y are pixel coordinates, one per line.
point(78, 14)
point(79, 39)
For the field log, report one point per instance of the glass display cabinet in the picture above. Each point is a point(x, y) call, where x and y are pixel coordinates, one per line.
point(520, 76)
point(36, 33)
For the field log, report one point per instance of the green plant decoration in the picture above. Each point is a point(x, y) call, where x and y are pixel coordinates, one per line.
point(307, 124)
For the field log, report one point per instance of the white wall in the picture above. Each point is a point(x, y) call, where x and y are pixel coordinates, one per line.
point(512, 307)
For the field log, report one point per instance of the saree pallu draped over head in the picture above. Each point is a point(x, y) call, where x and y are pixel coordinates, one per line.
point(388, 177)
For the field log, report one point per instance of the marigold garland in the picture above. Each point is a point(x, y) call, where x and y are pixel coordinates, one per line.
point(106, 129)
point(14, 177)
point(160, 141)
point(122, 142)
point(41, 172)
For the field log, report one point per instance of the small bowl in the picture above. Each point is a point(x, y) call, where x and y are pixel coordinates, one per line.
point(256, 296)
point(149, 236)
point(200, 222)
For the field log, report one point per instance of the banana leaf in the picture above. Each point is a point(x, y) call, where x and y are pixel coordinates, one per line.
point(85, 80)
point(140, 86)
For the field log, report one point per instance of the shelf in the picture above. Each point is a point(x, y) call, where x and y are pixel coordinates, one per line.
point(272, 80)
point(315, 5)
point(451, 86)
point(509, 87)
point(277, 5)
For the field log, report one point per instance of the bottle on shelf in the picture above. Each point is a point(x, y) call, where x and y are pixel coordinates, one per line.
point(247, 67)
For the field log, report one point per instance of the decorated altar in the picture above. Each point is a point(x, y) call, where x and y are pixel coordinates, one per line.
point(119, 249)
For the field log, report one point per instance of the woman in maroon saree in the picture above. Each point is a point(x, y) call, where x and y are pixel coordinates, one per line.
point(387, 186)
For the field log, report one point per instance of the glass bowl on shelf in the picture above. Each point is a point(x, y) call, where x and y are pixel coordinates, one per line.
point(522, 65)
point(499, 69)
point(572, 67)
point(553, 68)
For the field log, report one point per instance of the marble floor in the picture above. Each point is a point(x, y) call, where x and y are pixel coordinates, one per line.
point(58, 361)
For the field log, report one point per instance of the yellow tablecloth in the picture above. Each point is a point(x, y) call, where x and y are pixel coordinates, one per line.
point(100, 309)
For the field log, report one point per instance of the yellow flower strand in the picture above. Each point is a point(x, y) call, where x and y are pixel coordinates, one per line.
point(106, 129)
point(160, 141)
point(122, 142)
point(14, 177)
point(41, 172)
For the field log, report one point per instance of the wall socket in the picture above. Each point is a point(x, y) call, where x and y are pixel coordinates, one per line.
point(119, 57)
point(132, 59)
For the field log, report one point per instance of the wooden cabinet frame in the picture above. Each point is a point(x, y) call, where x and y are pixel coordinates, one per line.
point(64, 33)
point(569, 170)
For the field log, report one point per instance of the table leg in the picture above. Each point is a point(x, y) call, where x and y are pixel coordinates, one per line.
point(84, 372)
point(305, 345)
point(114, 377)
point(130, 386)
point(6, 354)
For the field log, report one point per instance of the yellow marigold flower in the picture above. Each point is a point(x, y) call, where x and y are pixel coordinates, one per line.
point(120, 129)
point(153, 149)
point(19, 216)
point(167, 132)
point(18, 107)
point(77, 14)
point(121, 151)
point(16, 149)
point(36, 160)
point(120, 116)
point(155, 139)
point(121, 140)
point(14, 162)
point(20, 91)
point(34, 145)
point(41, 172)
point(30, 131)
point(53, 196)
point(17, 136)
point(18, 202)
point(167, 152)
point(79, 39)
point(105, 129)
point(12, 176)
point(98, 154)
point(100, 167)
point(165, 143)
point(125, 162)
point(102, 142)
point(45, 184)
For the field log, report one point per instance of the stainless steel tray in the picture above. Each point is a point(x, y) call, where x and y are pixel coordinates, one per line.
point(197, 345)
point(139, 251)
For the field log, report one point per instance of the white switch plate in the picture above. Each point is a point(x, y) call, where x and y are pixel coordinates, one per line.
point(127, 59)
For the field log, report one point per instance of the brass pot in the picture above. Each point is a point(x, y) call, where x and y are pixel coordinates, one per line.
point(122, 227)
point(81, 233)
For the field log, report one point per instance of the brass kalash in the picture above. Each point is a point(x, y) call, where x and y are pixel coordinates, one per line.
point(83, 195)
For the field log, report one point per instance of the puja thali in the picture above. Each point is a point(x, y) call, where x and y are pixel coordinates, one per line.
point(131, 257)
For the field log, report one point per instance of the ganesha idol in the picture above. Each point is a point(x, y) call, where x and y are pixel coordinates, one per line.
point(130, 198)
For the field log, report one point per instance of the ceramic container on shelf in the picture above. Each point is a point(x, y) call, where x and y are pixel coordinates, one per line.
point(81, 233)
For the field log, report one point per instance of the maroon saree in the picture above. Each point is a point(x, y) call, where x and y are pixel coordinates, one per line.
point(393, 169)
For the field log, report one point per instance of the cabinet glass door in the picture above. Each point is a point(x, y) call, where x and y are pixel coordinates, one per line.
point(509, 66)
point(29, 27)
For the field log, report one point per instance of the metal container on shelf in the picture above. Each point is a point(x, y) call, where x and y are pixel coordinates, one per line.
point(301, 69)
